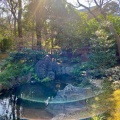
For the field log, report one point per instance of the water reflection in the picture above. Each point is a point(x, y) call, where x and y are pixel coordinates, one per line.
point(30, 102)
point(12, 110)
point(38, 94)
point(14, 106)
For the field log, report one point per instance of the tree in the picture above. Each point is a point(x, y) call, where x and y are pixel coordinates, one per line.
point(12, 7)
point(15, 7)
point(19, 18)
point(54, 11)
point(6, 20)
point(107, 24)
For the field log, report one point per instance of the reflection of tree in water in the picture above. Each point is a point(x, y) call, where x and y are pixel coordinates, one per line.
point(15, 112)
point(35, 92)
point(13, 107)
point(11, 111)
point(4, 115)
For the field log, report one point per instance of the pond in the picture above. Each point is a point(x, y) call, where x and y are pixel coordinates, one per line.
point(38, 102)
point(25, 103)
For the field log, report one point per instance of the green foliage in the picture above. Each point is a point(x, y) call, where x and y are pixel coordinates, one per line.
point(75, 60)
point(20, 64)
point(5, 30)
point(64, 35)
point(102, 55)
point(5, 44)
point(102, 51)
point(92, 27)
point(47, 79)
point(80, 67)
point(102, 103)
point(84, 29)
point(13, 71)
point(34, 76)
point(98, 117)
point(78, 71)
point(27, 56)
point(115, 20)
point(113, 73)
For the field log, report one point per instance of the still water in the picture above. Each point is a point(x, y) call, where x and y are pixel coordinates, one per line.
point(29, 102)
point(25, 103)
point(11, 111)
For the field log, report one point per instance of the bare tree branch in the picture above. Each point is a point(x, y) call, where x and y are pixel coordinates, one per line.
point(101, 2)
point(87, 8)
point(13, 5)
point(96, 3)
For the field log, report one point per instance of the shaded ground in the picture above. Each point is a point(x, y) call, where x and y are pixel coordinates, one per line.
point(3, 56)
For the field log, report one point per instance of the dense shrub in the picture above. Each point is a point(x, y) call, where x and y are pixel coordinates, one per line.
point(101, 57)
point(102, 51)
point(5, 44)
point(20, 64)
point(113, 73)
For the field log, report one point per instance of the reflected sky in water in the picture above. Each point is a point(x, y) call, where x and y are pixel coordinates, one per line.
point(26, 104)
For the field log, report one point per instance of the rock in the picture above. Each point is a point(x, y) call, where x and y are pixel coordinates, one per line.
point(46, 66)
point(97, 82)
point(69, 99)
point(49, 65)
point(51, 75)
point(58, 117)
point(40, 69)
point(64, 69)
point(83, 114)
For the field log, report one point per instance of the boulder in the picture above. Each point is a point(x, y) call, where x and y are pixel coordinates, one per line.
point(69, 100)
point(45, 67)
point(59, 117)
point(48, 65)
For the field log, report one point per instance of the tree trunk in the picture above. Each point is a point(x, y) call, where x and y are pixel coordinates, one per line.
point(38, 34)
point(116, 36)
point(20, 25)
point(110, 27)
point(19, 19)
point(15, 40)
point(38, 30)
point(32, 34)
